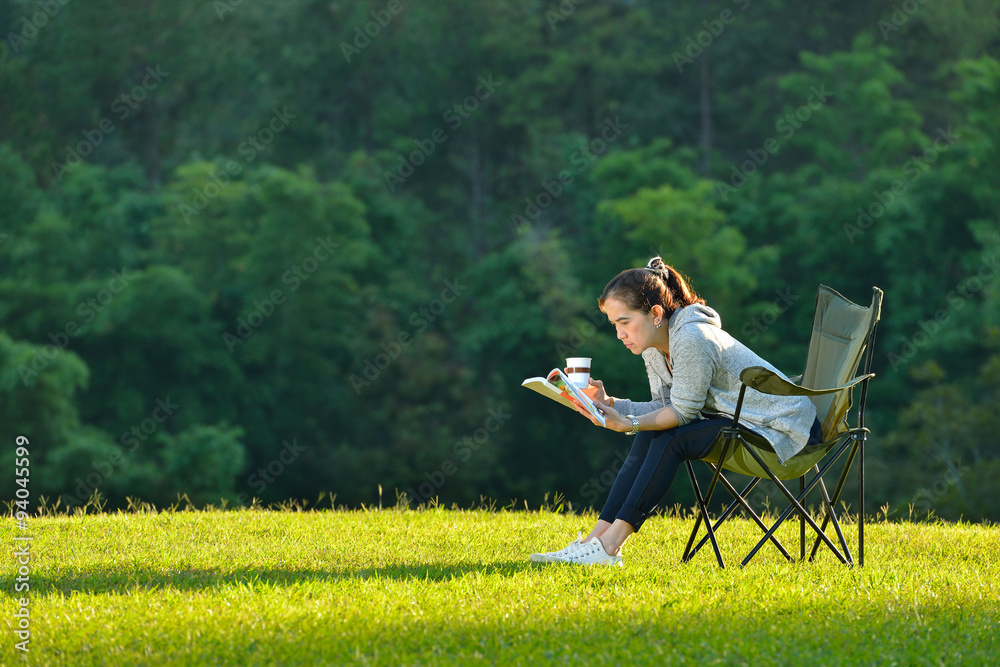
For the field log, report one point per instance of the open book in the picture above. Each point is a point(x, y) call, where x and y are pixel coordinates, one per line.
point(559, 388)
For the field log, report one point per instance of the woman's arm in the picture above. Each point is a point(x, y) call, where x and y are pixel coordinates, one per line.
point(595, 390)
point(627, 407)
point(695, 351)
point(661, 420)
point(658, 420)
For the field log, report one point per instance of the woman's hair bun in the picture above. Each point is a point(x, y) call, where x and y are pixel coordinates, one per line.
point(656, 264)
point(655, 284)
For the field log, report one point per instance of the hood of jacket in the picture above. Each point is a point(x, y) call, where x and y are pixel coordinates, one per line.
point(693, 314)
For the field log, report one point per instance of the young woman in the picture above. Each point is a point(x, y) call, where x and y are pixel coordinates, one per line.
point(694, 371)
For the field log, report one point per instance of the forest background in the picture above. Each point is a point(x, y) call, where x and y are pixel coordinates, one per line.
point(262, 249)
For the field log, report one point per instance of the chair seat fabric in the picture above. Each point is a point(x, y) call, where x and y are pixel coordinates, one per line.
point(740, 461)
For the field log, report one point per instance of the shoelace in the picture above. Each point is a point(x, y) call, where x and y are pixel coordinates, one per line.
point(573, 546)
point(587, 549)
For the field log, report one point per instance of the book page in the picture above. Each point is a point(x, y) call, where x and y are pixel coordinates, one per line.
point(548, 390)
point(563, 383)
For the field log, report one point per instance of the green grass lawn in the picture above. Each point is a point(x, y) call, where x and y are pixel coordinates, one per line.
point(455, 587)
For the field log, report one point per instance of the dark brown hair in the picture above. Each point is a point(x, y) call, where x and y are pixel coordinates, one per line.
point(655, 284)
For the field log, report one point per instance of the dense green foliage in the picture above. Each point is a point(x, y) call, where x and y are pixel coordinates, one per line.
point(446, 587)
point(268, 249)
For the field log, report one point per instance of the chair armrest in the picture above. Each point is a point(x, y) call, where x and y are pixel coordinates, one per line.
point(769, 382)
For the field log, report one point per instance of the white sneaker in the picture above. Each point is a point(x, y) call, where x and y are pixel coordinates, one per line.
point(593, 553)
point(558, 556)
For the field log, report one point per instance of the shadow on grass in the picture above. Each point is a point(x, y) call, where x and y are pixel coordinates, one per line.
point(121, 579)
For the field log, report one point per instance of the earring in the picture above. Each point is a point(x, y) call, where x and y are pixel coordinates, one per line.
point(659, 324)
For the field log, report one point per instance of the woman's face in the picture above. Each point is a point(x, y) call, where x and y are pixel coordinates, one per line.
point(634, 328)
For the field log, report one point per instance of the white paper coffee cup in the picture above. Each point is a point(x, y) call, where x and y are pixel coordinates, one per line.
point(578, 370)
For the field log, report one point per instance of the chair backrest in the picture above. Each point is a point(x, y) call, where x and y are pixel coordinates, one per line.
point(841, 332)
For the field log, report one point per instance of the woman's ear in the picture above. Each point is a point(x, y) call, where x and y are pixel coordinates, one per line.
point(657, 313)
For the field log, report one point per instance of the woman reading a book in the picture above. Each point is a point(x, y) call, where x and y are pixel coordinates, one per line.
point(693, 367)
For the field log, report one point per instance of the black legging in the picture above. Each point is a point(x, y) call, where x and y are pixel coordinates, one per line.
point(652, 464)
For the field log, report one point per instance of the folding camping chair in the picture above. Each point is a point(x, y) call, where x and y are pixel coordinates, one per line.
point(841, 333)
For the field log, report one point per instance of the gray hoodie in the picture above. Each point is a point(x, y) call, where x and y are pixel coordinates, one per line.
point(705, 378)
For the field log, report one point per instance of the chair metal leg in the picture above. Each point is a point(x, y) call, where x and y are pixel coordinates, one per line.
point(802, 522)
point(717, 473)
point(836, 494)
point(830, 513)
point(796, 506)
point(688, 554)
point(861, 500)
point(836, 524)
point(704, 513)
point(740, 501)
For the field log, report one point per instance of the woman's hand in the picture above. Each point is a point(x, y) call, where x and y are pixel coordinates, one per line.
point(595, 390)
point(612, 420)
